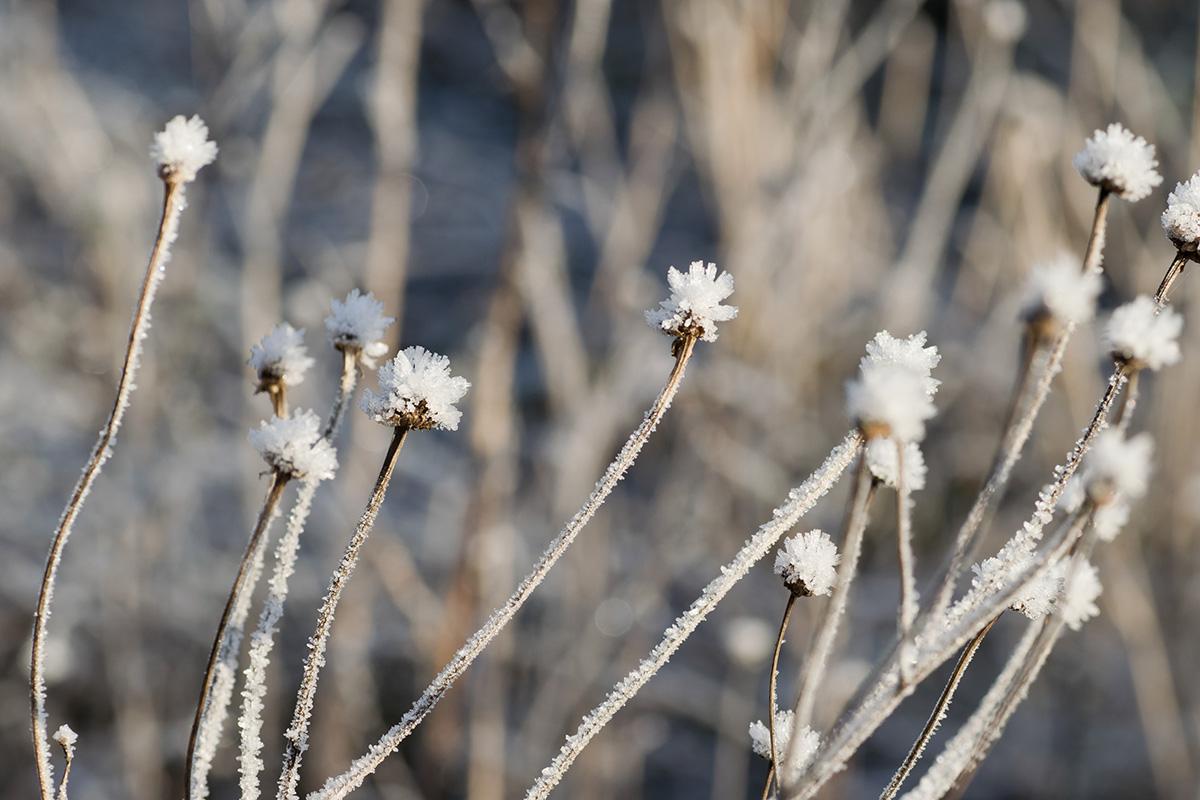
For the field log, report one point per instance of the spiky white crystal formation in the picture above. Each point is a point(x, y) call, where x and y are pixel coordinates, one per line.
point(808, 563)
point(357, 323)
point(416, 390)
point(909, 353)
point(881, 460)
point(890, 400)
point(1143, 335)
point(1120, 464)
point(182, 148)
point(295, 446)
point(1039, 596)
point(281, 356)
point(1062, 289)
point(694, 306)
point(1116, 160)
point(1181, 220)
point(1078, 602)
point(785, 722)
point(66, 738)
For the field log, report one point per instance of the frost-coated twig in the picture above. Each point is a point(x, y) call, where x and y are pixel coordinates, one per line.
point(772, 694)
point(1168, 281)
point(353, 777)
point(938, 713)
point(904, 550)
point(800, 500)
point(173, 204)
point(297, 732)
point(262, 641)
point(216, 690)
point(65, 738)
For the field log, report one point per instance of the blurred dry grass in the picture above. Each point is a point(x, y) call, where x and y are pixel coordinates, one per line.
point(512, 181)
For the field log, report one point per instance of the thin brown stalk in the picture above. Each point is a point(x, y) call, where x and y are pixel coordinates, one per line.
point(938, 713)
point(168, 223)
point(68, 749)
point(1168, 281)
point(774, 685)
point(217, 653)
point(297, 732)
point(904, 551)
point(344, 392)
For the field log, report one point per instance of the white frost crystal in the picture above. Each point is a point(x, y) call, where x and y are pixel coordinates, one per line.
point(66, 738)
point(785, 721)
point(808, 563)
point(694, 305)
point(416, 390)
point(358, 323)
point(1143, 335)
point(1181, 220)
point(909, 353)
point(281, 356)
point(294, 446)
point(881, 460)
point(890, 400)
point(1078, 602)
point(1062, 289)
point(182, 148)
point(1117, 160)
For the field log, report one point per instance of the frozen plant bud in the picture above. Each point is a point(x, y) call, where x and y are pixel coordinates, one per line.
point(280, 356)
point(1181, 220)
point(694, 306)
point(182, 148)
point(785, 721)
point(1118, 464)
point(909, 353)
point(1083, 588)
point(1141, 335)
point(808, 563)
point(356, 325)
point(1037, 597)
point(881, 460)
point(417, 391)
point(295, 446)
point(66, 738)
point(1061, 293)
point(1116, 160)
point(889, 400)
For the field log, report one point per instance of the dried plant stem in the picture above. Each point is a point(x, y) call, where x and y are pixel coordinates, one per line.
point(69, 759)
point(297, 732)
point(345, 391)
point(1168, 281)
point(800, 500)
point(173, 205)
point(904, 549)
point(212, 706)
point(772, 703)
point(1129, 400)
point(938, 713)
point(342, 784)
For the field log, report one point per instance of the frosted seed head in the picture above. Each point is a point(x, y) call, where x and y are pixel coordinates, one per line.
point(1110, 519)
point(280, 356)
point(1142, 336)
point(881, 460)
point(182, 148)
point(357, 325)
point(1116, 160)
point(1038, 597)
point(66, 738)
point(806, 746)
point(1083, 589)
point(1181, 220)
point(295, 447)
point(1059, 293)
point(694, 306)
point(890, 400)
point(416, 391)
point(1120, 465)
point(910, 353)
point(808, 563)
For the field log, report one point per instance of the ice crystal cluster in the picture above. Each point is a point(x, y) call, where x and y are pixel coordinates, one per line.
point(280, 356)
point(893, 394)
point(808, 563)
point(785, 722)
point(357, 324)
point(417, 391)
point(1139, 333)
point(66, 738)
point(1116, 160)
point(182, 148)
point(1181, 220)
point(1059, 287)
point(295, 446)
point(694, 306)
point(1082, 590)
point(1119, 464)
point(882, 461)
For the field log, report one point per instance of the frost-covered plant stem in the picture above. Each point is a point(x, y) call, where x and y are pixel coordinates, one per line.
point(68, 748)
point(1129, 400)
point(1168, 281)
point(297, 732)
point(342, 784)
point(173, 205)
point(216, 690)
point(904, 550)
point(344, 392)
point(772, 702)
point(938, 713)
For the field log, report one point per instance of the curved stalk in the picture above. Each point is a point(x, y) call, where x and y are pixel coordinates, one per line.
point(772, 705)
point(173, 204)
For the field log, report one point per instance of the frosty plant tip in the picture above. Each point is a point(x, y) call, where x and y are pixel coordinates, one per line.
point(1119, 162)
point(279, 360)
point(1142, 337)
point(356, 326)
point(808, 563)
point(295, 447)
point(416, 391)
point(785, 723)
point(182, 149)
point(1060, 292)
point(884, 464)
point(694, 306)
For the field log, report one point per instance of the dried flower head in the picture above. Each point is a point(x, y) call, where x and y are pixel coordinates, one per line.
point(1083, 588)
point(1038, 597)
point(1118, 464)
point(785, 721)
point(694, 306)
point(182, 148)
point(66, 738)
point(1142, 335)
point(295, 446)
point(1116, 160)
point(890, 400)
point(909, 353)
point(417, 391)
point(280, 356)
point(1181, 220)
point(881, 460)
point(808, 563)
point(356, 324)
point(1060, 290)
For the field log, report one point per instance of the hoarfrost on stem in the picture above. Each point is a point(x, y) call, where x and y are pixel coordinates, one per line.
point(694, 306)
point(1139, 333)
point(416, 390)
point(182, 148)
point(1116, 160)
